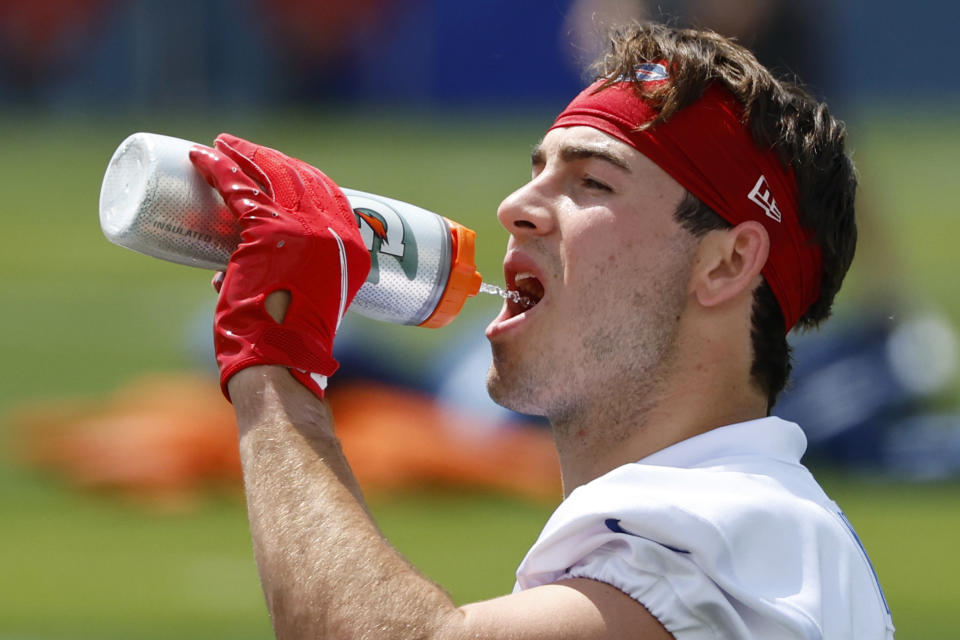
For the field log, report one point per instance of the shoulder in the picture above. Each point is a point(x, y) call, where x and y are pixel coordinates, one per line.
point(688, 543)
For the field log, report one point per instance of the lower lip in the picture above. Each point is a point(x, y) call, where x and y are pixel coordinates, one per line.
point(502, 324)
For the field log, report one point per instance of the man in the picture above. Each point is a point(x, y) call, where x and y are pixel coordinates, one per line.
point(684, 213)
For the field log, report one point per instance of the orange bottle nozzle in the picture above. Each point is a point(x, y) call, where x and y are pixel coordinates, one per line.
point(464, 281)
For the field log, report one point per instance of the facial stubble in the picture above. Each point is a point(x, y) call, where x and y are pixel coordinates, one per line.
point(623, 353)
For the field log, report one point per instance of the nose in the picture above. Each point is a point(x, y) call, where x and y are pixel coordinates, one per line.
point(526, 212)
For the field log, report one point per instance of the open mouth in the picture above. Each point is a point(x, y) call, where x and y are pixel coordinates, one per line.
point(525, 292)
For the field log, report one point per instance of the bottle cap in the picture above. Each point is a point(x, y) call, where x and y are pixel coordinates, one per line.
point(464, 281)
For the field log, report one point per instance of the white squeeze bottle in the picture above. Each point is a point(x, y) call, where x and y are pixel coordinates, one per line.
point(153, 201)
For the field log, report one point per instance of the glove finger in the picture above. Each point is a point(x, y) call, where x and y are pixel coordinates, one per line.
point(199, 155)
point(239, 191)
point(217, 282)
point(238, 144)
point(283, 175)
point(243, 153)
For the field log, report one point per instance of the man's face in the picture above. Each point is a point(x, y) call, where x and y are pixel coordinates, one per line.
point(594, 240)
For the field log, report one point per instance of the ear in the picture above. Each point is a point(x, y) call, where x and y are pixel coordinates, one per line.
point(729, 263)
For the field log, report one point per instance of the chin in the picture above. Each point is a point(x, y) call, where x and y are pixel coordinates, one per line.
point(517, 392)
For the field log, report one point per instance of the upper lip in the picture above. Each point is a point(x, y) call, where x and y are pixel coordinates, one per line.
point(517, 262)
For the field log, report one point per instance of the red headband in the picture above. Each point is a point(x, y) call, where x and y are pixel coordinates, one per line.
point(709, 151)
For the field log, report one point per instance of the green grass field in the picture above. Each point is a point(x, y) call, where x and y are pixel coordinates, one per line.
point(82, 316)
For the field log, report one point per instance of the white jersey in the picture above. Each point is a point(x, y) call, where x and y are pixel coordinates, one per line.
point(724, 535)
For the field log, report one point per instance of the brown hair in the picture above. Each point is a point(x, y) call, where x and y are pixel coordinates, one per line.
point(781, 115)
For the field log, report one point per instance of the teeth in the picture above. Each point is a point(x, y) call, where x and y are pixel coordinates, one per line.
point(528, 289)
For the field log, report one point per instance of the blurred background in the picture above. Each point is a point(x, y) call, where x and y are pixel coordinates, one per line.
point(121, 514)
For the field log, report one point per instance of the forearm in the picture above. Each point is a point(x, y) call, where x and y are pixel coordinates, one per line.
point(325, 569)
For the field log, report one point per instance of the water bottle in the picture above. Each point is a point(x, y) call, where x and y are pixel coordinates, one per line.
point(153, 201)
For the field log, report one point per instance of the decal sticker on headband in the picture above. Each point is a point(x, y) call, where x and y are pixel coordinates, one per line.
point(651, 72)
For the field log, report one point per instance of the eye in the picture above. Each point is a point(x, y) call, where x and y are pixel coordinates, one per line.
point(590, 183)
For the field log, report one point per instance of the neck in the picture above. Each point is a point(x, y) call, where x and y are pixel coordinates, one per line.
point(687, 397)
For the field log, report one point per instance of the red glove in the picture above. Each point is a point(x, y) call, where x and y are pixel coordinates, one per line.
point(299, 235)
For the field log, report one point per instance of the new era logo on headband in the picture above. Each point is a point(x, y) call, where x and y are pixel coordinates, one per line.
point(763, 198)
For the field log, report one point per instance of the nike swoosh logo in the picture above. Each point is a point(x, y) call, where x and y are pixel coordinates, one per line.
point(614, 525)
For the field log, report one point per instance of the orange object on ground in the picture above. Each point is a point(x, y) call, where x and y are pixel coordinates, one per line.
point(396, 438)
point(158, 438)
point(168, 437)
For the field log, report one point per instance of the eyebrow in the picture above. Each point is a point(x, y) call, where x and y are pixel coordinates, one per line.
point(571, 152)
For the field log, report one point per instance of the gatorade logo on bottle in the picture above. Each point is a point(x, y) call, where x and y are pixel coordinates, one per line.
point(385, 232)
